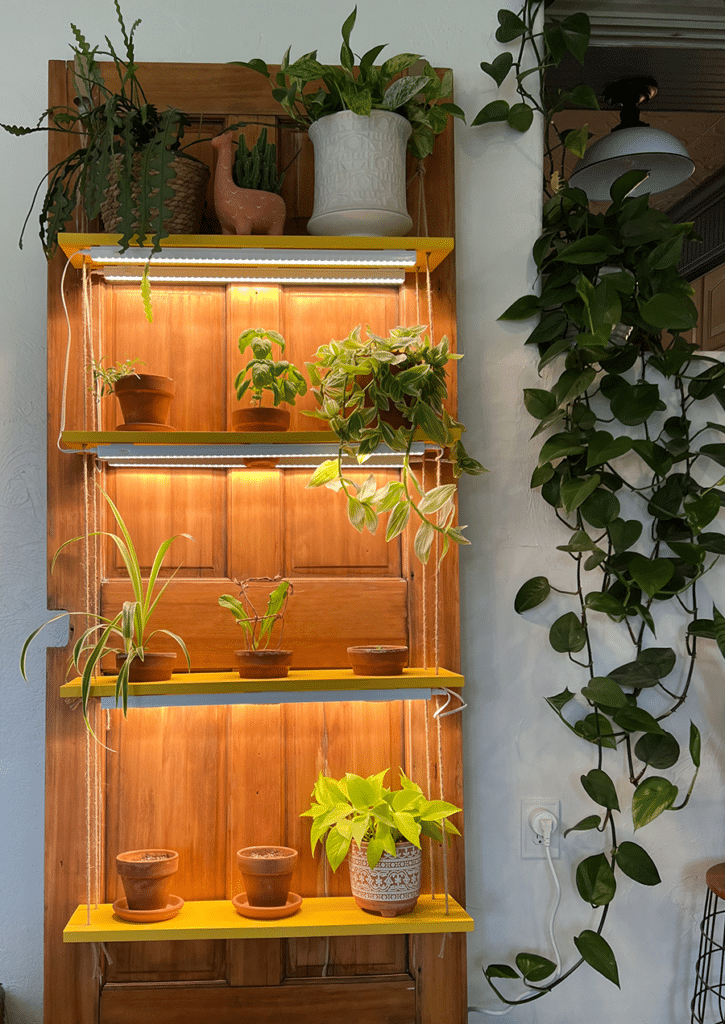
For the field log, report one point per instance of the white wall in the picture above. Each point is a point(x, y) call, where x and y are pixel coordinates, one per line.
point(515, 747)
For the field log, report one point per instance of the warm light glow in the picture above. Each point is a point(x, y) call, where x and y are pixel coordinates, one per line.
point(160, 701)
point(144, 456)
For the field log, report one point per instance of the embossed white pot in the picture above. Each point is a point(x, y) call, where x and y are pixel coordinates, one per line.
point(360, 174)
point(390, 888)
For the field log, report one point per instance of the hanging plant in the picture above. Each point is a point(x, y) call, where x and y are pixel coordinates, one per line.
point(630, 466)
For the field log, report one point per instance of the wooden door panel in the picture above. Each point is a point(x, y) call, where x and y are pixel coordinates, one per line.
point(157, 504)
point(185, 342)
point(255, 531)
point(714, 309)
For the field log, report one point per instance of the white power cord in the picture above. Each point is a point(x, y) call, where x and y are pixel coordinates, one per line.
point(543, 823)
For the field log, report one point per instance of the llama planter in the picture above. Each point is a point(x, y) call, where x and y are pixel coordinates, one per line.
point(243, 211)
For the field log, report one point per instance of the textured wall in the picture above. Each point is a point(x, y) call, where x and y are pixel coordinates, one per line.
point(515, 747)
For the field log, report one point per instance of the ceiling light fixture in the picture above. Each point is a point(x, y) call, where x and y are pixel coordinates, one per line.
point(632, 146)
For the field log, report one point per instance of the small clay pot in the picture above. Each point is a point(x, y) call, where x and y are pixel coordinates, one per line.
point(392, 887)
point(156, 666)
point(257, 419)
point(146, 877)
point(145, 400)
point(263, 664)
point(378, 661)
point(267, 873)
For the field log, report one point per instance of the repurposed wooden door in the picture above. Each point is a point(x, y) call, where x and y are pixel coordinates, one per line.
point(209, 780)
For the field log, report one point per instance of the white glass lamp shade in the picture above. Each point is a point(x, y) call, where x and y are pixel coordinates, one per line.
point(632, 149)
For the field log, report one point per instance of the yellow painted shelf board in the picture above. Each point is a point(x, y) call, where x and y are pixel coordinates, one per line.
point(318, 916)
point(80, 440)
point(308, 680)
point(437, 248)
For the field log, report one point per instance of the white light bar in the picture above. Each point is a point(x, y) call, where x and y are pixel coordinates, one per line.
point(272, 697)
point(242, 456)
point(227, 274)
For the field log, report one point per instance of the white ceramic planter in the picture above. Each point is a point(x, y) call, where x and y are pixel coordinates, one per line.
point(390, 888)
point(360, 174)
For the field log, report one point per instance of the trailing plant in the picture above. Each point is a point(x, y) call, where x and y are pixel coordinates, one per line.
point(122, 138)
point(263, 373)
point(308, 90)
point(257, 167)
point(127, 633)
point(105, 378)
point(631, 467)
point(540, 42)
point(354, 809)
point(257, 629)
point(377, 391)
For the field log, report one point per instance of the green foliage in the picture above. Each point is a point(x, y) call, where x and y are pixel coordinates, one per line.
point(263, 373)
point(257, 167)
point(128, 631)
point(256, 628)
point(365, 810)
point(539, 44)
point(308, 90)
point(627, 461)
point(360, 386)
point(124, 139)
point(105, 377)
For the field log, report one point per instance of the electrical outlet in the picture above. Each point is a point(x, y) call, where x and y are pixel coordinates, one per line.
point(532, 846)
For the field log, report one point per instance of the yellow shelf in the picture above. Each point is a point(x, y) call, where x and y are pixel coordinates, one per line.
point(314, 683)
point(79, 248)
point(83, 440)
point(217, 919)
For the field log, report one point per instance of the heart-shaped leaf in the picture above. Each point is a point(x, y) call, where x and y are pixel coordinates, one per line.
point(604, 692)
point(598, 785)
point(650, 799)
point(651, 574)
point(567, 634)
point(598, 954)
point(624, 533)
point(658, 750)
point(595, 880)
point(603, 447)
point(499, 68)
point(637, 864)
point(532, 593)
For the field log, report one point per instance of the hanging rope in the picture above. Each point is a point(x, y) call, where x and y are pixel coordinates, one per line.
point(421, 213)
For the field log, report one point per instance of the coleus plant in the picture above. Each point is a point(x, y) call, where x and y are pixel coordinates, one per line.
point(631, 467)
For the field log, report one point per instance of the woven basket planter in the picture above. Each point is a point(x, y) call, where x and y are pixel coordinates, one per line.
point(186, 207)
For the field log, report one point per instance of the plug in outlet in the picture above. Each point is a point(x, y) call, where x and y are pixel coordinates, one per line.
point(532, 845)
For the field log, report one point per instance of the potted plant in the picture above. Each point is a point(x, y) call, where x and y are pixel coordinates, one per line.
point(145, 398)
point(126, 634)
point(279, 378)
point(377, 660)
point(381, 829)
point(378, 390)
point(246, 187)
point(258, 660)
point(129, 165)
point(267, 873)
point(146, 876)
point(360, 120)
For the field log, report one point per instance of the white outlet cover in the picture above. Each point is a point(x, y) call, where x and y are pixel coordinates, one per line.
point(532, 848)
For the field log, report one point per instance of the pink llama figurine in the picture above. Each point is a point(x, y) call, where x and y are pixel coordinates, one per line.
point(243, 211)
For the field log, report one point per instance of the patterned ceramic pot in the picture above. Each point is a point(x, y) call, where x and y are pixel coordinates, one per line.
point(360, 174)
point(390, 888)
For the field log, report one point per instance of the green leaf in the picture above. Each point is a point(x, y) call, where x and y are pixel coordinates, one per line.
point(499, 68)
point(636, 863)
point(510, 27)
point(625, 184)
point(606, 603)
point(603, 448)
point(576, 490)
point(500, 971)
point(719, 623)
point(633, 719)
point(598, 785)
point(560, 700)
point(595, 880)
point(604, 692)
point(534, 968)
point(398, 520)
point(650, 799)
point(579, 541)
point(651, 574)
point(654, 456)
point(324, 473)
point(585, 825)
point(596, 729)
point(520, 117)
point(600, 509)
point(669, 311)
point(558, 446)
point(635, 403)
point(576, 141)
point(576, 31)
point(598, 954)
point(532, 593)
point(701, 510)
point(592, 249)
point(624, 533)
point(539, 403)
point(695, 744)
point(658, 750)
point(651, 665)
point(713, 542)
point(567, 635)
point(423, 541)
point(496, 110)
point(522, 309)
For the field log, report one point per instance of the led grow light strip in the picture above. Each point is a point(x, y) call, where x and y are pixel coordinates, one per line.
point(216, 274)
point(272, 697)
point(141, 456)
point(386, 258)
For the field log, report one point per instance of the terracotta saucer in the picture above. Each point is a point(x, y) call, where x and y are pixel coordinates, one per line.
point(155, 427)
point(171, 909)
point(293, 904)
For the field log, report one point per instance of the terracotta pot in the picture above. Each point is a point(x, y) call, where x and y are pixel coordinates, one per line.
point(145, 401)
point(267, 873)
point(156, 666)
point(390, 888)
point(263, 664)
point(146, 877)
point(259, 418)
point(378, 661)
